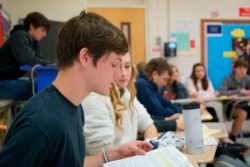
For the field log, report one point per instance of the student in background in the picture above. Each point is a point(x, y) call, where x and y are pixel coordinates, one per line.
point(163, 123)
point(175, 89)
point(140, 66)
point(120, 116)
point(153, 77)
point(48, 129)
point(22, 48)
point(235, 85)
point(200, 87)
point(169, 123)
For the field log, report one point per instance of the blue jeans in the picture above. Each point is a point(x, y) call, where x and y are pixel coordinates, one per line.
point(15, 89)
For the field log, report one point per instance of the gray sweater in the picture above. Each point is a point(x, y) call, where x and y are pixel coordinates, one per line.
point(230, 86)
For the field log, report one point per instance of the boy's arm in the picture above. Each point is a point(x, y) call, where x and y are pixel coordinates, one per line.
point(225, 88)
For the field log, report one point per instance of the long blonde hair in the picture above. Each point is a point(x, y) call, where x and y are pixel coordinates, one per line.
point(116, 100)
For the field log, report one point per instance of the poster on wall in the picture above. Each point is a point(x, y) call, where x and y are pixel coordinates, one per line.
point(184, 36)
point(223, 41)
point(5, 25)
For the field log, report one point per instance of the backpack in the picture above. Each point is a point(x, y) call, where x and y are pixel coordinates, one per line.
point(227, 161)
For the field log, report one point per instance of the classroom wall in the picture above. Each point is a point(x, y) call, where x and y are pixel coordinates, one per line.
point(56, 10)
point(165, 20)
point(166, 17)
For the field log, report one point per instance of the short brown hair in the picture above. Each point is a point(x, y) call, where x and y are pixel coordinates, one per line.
point(159, 64)
point(241, 63)
point(37, 19)
point(91, 31)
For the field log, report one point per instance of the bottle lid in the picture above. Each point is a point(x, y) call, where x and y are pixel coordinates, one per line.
point(189, 106)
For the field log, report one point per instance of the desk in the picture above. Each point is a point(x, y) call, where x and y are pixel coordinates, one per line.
point(44, 75)
point(189, 100)
point(212, 125)
point(223, 107)
point(217, 125)
point(191, 160)
point(209, 151)
point(204, 158)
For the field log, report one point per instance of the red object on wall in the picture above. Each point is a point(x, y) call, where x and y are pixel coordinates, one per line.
point(1, 30)
point(4, 25)
point(192, 43)
point(244, 12)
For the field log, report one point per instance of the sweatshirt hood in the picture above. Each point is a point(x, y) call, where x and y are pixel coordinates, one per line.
point(17, 28)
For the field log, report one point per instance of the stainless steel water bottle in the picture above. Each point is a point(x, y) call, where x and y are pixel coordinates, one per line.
point(193, 128)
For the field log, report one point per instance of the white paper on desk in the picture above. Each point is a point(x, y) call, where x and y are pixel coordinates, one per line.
point(210, 141)
point(162, 157)
point(206, 116)
point(204, 126)
point(207, 132)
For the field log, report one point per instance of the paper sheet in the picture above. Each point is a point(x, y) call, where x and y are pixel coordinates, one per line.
point(207, 135)
point(210, 141)
point(209, 132)
point(206, 116)
point(166, 156)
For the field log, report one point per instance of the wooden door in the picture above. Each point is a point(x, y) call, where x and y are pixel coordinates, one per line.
point(136, 18)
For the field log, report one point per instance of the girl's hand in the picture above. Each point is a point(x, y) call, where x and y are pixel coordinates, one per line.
point(202, 108)
point(216, 93)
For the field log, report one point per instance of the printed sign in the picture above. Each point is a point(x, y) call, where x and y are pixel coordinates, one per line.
point(244, 12)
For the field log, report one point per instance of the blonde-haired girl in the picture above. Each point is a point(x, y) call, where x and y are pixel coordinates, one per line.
point(118, 118)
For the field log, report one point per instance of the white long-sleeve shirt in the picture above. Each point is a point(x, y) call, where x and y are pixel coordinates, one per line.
point(209, 93)
point(100, 130)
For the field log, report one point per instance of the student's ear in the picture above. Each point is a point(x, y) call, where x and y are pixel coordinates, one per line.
point(154, 74)
point(31, 26)
point(84, 56)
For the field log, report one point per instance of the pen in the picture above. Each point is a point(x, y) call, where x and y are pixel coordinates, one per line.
point(161, 135)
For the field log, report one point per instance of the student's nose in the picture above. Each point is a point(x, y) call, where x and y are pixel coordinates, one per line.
point(123, 71)
point(118, 74)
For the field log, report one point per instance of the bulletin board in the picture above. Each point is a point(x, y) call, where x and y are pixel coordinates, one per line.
point(222, 41)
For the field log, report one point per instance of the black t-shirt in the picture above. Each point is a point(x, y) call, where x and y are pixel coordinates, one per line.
point(48, 131)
